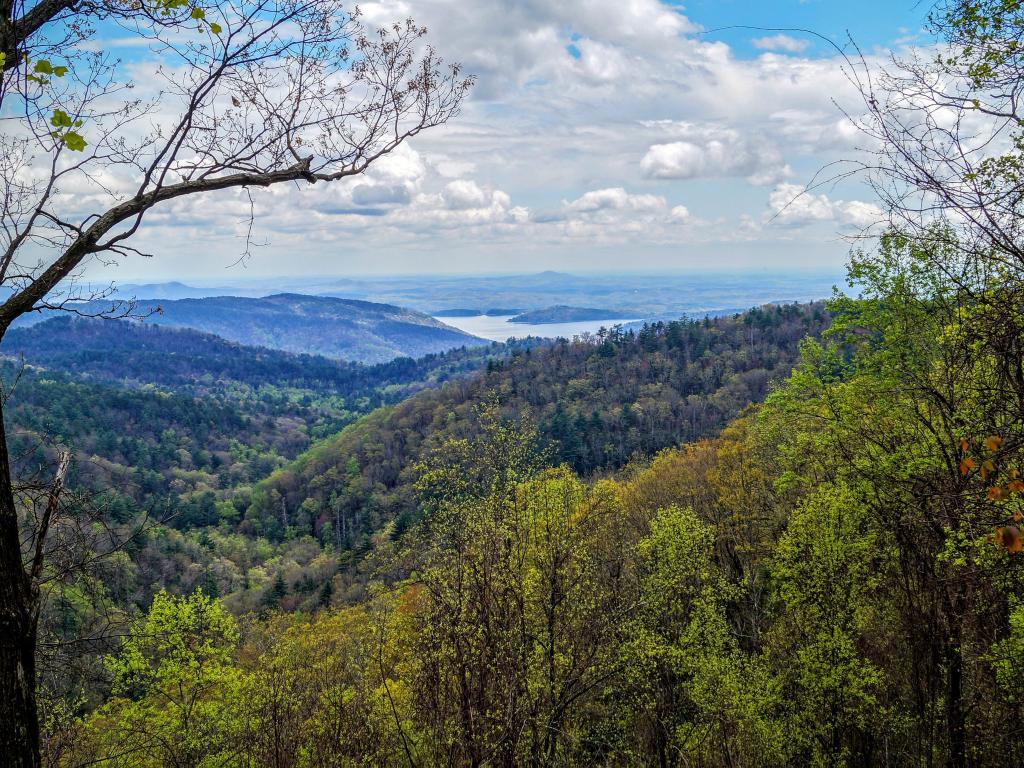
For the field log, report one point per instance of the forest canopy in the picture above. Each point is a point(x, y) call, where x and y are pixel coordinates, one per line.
point(784, 538)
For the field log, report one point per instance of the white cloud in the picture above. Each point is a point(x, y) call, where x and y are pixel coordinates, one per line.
point(781, 43)
point(679, 214)
point(791, 204)
point(377, 194)
point(616, 199)
point(860, 213)
point(552, 148)
point(463, 194)
point(713, 151)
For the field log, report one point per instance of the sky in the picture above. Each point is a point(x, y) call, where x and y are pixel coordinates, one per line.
point(601, 135)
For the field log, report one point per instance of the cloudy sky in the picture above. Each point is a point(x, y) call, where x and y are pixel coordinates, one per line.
point(601, 135)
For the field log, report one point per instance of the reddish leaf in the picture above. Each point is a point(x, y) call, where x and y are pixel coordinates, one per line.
point(995, 493)
point(1010, 539)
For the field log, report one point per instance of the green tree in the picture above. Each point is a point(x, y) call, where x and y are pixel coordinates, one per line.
point(262, 94)
point(277, 592)
point(175, 690)
point(827, 571)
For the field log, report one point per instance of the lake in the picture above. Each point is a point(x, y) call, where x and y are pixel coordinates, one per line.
point(498, 328)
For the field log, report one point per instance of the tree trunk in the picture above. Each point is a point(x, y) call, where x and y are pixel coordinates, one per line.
point(19, 726)
point(955, 721)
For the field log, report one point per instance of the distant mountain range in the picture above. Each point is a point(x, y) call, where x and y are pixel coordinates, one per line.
point(176, 290)
point(340, 328)
point(646, 296)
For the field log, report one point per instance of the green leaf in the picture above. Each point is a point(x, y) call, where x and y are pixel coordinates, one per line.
point(61, 119)
point(74, 141)
point(215, 28)
point(43, 67)
point(198, 13)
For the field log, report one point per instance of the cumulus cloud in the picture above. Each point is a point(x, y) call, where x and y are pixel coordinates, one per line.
point(554, 146)
point(679, 214)
point(615, 199)
point(463, 194)
point(781, 43)
point(713, 151)
point(791, 204)
point(377, 194)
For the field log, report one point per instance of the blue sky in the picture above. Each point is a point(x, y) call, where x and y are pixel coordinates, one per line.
point(601, 135)
point(870, 23)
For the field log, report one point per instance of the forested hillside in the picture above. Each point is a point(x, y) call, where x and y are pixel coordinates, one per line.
point(202, 438)
point(597, 402)
point(183, 440)
point(324, 393)
point(170, 427)
point(167, 417)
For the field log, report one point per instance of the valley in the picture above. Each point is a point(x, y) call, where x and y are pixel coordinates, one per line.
point(217, 444)
point(489, 384)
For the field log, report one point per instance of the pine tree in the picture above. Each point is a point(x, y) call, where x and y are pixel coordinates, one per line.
point(326, 592)
point(276, 593)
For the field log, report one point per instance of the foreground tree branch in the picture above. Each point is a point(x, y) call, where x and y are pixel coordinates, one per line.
point(247, 94)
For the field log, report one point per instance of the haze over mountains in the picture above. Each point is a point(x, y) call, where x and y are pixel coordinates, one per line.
point(647, 296)
point(377, 319)
point(374, 320)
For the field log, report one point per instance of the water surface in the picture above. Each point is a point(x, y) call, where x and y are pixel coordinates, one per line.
point(498, 328)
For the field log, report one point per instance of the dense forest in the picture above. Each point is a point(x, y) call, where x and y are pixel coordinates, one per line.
point(789, 537)
point(205, 456)
point(598, 402)
point(198, 465)
point(819, 584)
point(323, 393)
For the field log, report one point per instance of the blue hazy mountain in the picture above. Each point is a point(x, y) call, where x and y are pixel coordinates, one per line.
point(648, 296)
point(340, 328)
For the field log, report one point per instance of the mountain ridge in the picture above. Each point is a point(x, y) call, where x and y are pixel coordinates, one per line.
point(347, 329)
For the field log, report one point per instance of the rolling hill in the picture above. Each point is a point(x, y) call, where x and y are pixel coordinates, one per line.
point(598, 404)
point(347, 329)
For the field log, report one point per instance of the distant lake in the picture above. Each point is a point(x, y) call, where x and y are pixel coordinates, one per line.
point(499, 328)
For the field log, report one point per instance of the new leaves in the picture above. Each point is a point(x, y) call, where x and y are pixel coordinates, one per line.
point(63, 131)
point(42, 73)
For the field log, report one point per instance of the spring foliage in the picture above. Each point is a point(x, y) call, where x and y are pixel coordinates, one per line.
point(825, 583)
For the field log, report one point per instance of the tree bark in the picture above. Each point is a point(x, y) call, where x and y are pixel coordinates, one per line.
point(19, 723)
point(955, 720)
